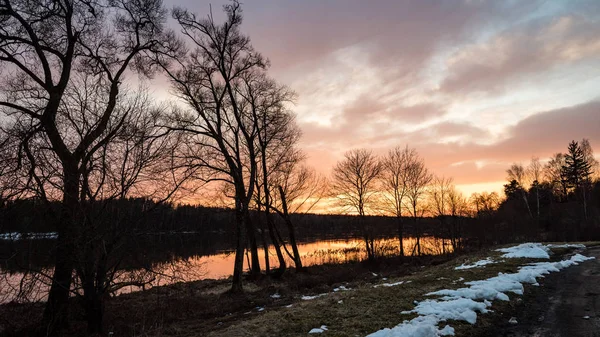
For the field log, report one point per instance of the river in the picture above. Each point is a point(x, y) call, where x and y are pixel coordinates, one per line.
point(187, 266)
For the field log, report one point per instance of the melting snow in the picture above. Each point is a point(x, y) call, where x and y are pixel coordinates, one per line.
point(275, 296)
point(18, 236)
point(322, 329)
point(389, 284)
point(477, 264)
point(463, 304)
point(308, 298)
point(526, 250)
point(341, 288)
point(567, 245)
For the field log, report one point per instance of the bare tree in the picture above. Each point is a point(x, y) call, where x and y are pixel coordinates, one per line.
point(458, 207)
point(517, 173)
point(484, 203)
point(554, 173)
point(395, 176)
point(276, 137)
point(440, 190)
point(418, 180)
point(354, 183)
point(588, 155)
point(223, 131)
point(45, 45)
point(135, 161)
point(300, 190)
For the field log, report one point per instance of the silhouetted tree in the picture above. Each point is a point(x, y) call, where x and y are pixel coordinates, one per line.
point(578, 169)
point(276, 138)
point(534, 171)
point(418, 180)
point(300, 190)
point(353, 183)
point(554, 173)
point(214, 81)
point(517, 173)
point(394, 176)
point(46, 45)
point(439, 192)
point(458, 208)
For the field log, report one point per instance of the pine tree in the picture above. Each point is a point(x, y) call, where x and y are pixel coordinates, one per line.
point(577, 169)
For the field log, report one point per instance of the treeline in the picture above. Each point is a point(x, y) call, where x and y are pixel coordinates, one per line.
point(557, 201)
point(31, 216)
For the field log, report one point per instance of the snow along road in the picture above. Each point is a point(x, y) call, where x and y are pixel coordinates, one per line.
point(465, 303)
point(568, 304)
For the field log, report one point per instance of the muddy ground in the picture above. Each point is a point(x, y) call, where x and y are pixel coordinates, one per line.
point(567, 304)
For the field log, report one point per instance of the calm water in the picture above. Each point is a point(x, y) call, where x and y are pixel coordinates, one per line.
point(33, 287)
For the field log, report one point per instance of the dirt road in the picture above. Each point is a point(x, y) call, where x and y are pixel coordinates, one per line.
point(567, 304)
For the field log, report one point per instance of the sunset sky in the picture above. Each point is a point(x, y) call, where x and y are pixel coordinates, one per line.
point(472, 85)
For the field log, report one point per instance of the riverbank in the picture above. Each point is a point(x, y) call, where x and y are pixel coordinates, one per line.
point(348, 299)
point(190, 307)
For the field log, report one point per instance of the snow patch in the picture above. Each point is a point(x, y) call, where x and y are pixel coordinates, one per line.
point(567, 245)
point(308, 298)
point(389, 284)
point(322, 329)
point(477, 264)
point(526, 250)
point(459, 309)
point(276, 295)
point(421, 326)
point(341, 288)
point(14, 236)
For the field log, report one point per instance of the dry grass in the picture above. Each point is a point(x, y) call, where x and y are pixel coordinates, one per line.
point(366, 309)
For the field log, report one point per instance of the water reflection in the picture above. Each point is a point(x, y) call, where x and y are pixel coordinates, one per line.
point(314, 253)
point(34, 286)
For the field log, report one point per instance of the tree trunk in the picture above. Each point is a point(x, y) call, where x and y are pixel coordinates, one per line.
point(366, 236)
point(417, 230)
point(527, 204)
point(56, 310)
point(269, 220)
point(264, 241)
point(280, 257)
point(400, 234)
point(291, 230)
point(93, 305)
point(583, 188)
point(537, 200)
point(238, 265)
point(251, 233)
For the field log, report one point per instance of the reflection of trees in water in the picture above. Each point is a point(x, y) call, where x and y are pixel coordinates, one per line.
point(170, 258)
point(147, 250)
point(383, 247)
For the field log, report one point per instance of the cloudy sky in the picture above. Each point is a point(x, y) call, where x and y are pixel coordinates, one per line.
point(472, 85)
